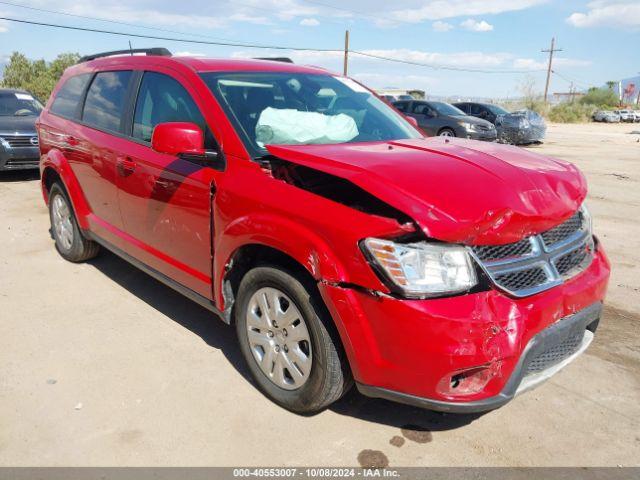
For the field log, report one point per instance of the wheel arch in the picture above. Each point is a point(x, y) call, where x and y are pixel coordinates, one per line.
point(446, 127)
point(56, 168)
point(251, 255)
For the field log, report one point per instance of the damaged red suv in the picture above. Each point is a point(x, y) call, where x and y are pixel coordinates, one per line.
point(342, 244)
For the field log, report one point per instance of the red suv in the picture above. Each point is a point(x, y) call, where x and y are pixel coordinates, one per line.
point(341, 243)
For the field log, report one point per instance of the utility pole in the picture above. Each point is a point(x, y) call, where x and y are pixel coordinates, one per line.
point(551, 51)
point(571, 93)
point(346, 53)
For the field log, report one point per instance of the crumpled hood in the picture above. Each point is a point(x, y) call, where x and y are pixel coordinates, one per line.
point(456, 190)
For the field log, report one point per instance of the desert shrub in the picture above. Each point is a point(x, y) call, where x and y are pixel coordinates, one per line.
point(574, 112)
point(601, 98)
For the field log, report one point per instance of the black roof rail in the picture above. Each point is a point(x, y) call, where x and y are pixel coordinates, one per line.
point(275, 59)
point(160, 52)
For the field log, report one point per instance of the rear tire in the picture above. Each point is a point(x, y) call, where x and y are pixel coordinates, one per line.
point(70, 242)
point(289, 342)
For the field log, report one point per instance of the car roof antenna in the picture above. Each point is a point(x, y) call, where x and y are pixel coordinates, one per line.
point(130, 48)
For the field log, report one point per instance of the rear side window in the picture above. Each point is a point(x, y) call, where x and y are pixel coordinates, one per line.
point(402, 106)
point(69, 96)
point(162, 99)
point(422, 109)
point(476, 109)
point(106, 100)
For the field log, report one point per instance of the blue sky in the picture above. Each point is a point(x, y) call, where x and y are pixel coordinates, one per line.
point(599, 38)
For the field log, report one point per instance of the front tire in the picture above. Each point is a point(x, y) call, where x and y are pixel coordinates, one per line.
point(289, 342)
point(446, 132)
point(70, 242)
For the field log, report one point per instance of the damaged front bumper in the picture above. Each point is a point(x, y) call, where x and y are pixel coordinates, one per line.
point(406, 350)
point(548, 343)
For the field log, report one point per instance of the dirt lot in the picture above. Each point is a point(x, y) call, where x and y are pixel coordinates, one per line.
point(102, 365)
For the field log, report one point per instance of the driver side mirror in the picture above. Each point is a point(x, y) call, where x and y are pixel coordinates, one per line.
point(177, 138)
point(184, 140)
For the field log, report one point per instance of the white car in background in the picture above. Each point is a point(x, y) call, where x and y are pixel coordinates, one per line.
point(626, 115)
point(606, 116)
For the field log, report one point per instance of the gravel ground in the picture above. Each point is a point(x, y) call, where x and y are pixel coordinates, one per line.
point(100, 365)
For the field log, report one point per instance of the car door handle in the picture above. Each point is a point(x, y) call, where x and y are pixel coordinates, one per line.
point(125, 166)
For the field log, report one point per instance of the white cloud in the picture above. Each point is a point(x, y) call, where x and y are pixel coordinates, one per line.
point(476, 26)
point(309, 22)
point(382, 80)
point(189, 54)
point(256, 20)
point(462, 59)
point(533, 64)
point(624, 14)
point(529, 64)
point(459, 59)
point(439, 26)
point(165, 13)
point(122, 13)
point(439, 9)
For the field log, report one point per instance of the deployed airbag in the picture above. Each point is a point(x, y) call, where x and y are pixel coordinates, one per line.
point(294, 127)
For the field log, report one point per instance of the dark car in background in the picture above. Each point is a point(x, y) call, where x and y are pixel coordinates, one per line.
point(443, 119)
point(521, 127)
point(19, 111)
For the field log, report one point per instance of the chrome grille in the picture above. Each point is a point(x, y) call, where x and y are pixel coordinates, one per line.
point(572, 260)
point(19, 141)
point(563, 231)
point(496, 252)
point(522, 279)
point(539, 262)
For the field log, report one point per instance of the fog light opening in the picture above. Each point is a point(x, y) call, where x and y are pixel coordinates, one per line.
point(467, 382)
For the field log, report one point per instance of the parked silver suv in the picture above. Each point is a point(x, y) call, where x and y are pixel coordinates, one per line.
point(606, 116)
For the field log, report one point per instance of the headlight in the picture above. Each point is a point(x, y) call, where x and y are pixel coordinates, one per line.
point(4, 143)
point(423, 269)
point(468, 126)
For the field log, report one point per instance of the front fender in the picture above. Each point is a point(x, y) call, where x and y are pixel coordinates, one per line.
point(55, 160)
point(300, 243)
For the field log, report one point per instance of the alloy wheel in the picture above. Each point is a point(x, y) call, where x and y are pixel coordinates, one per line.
point(278, 338)
point(62, 223)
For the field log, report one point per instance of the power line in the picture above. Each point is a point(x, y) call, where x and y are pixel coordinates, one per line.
point(568, 79)
point(263, 46)
point(440, 67)
point(170, 39)
point(118, 22)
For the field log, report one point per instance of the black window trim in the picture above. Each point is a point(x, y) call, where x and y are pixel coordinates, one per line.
point(127, 97)
point(131, 111)
point(80, 105)
point(83, 98)
point(127, 116)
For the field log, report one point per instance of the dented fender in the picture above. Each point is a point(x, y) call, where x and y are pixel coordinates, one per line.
point(251, 207)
